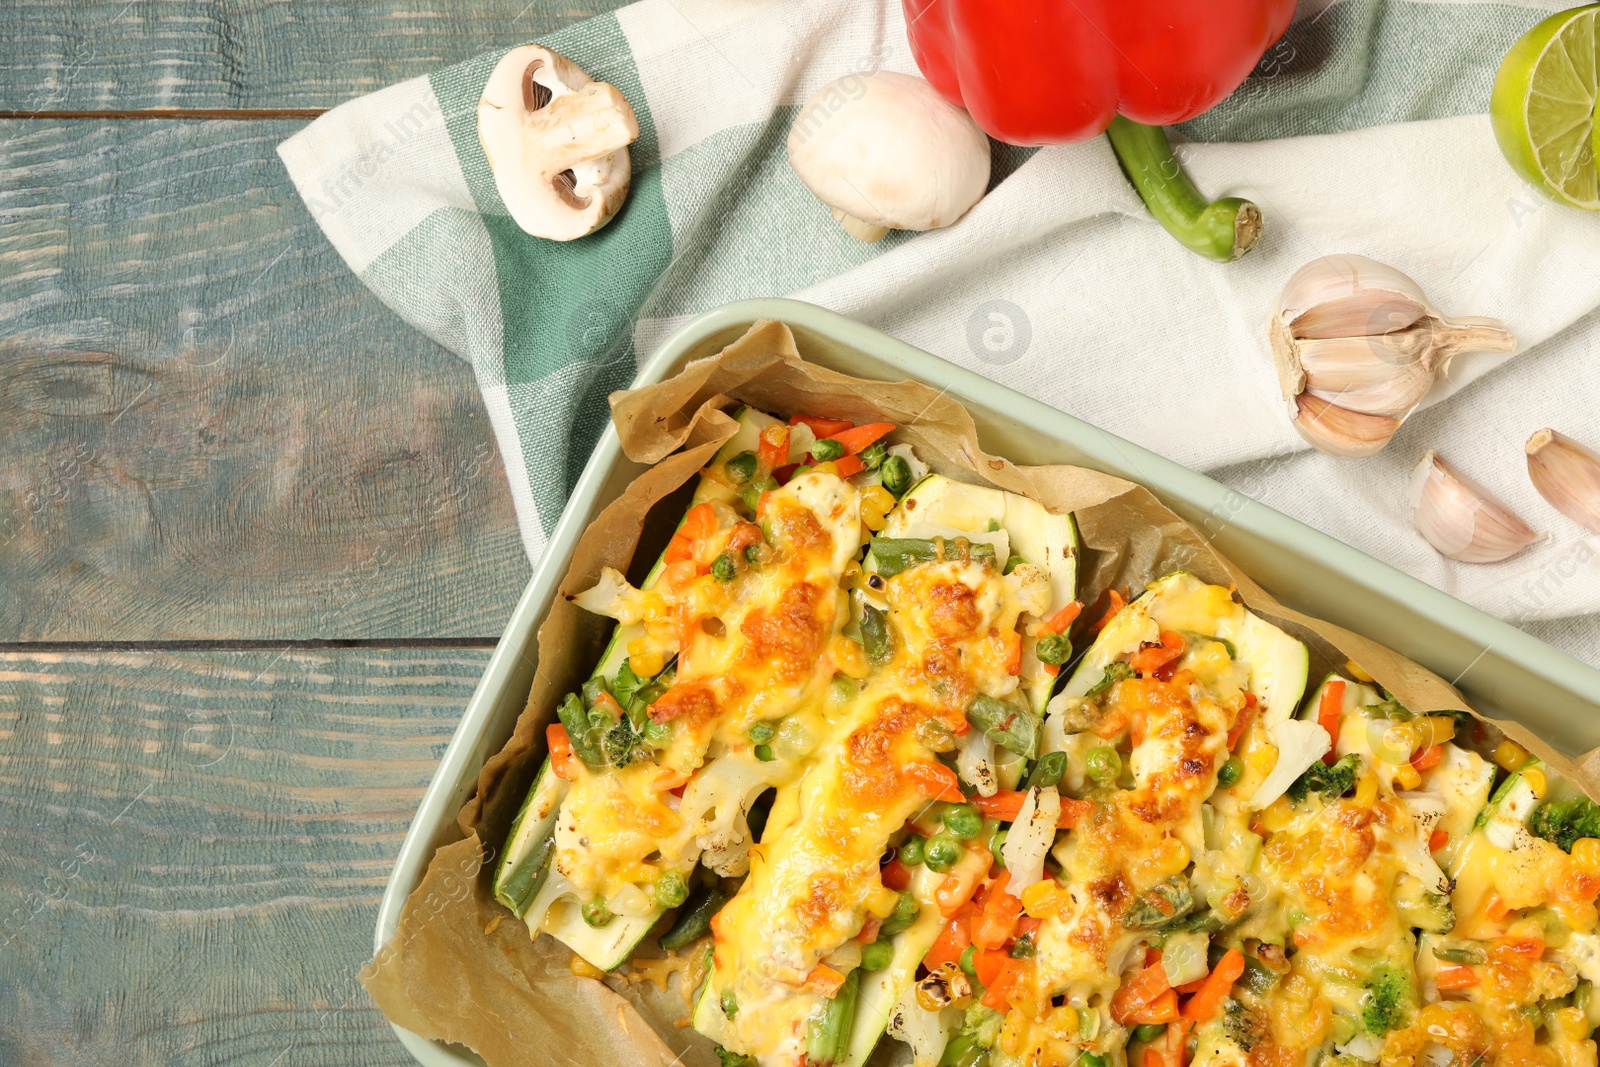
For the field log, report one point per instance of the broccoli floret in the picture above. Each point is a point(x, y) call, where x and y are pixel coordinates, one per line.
point(1243, 1024)
point(983, 1025)
point(1565, 821)
point(1321, 778)
point(1428, 911)
point(1388, 994)
point(734, 1059)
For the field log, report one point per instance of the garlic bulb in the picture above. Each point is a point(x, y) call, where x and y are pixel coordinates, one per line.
point(1567, 475)
point(1461, 519)
point(1358, 347)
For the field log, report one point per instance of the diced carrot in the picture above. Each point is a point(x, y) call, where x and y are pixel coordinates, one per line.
point(1116, 605)
point(846, 466)
point(1328, 713)
point(1051, 669)
point(969, 872)
point(1206, 1003)
point(561, 758)
point(609, 702)
point(1428, 758)
point(820, 426)
point(869, 930)
point(1064, 618)
point(1163, 1009)
point(1028, 924)
point(782, 474)
point(998, 921)
point(1438, 839)
point(1456, 978)
point(1497, 908)
point(1152, 956)
point(824, 980)
point(949, 945)
point(1166, 1051)
point(1138, 993)
point(1114, 722)
point(895, 874)
point(1000, 974)
point(1005, 805)
point(936, 780)
point(772, 448)
point(1530, 947)
point(700, 522)
point(1242, 723)
point(858, 437)
point(1073, 813)
point(1148, 661)
point(1013, 646)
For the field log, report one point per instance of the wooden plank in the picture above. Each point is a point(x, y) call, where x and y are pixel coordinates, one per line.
point(211, 428)
point(193, 847)
point(99, 55)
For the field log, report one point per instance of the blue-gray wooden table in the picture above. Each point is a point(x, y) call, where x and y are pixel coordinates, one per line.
point(255, 539)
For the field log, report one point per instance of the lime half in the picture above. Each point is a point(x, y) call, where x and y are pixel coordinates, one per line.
point(1543, 108)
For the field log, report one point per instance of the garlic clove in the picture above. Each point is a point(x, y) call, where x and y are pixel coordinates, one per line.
point(1340, 431)
point(1350, 296)
point(1462, 519)
point(1370, 375)
point(1567, 475)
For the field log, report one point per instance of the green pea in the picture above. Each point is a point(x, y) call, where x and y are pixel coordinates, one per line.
point(764, 753)
point(1091, 1059)
point(876, 956)
point(596, 913)
point(942, 852)
point(963, 821)
point(1148, 1032)
point(752, 554)
point(906, 910)
point(1022, 948)
point(1229, 773)
point(762, 732)
point(910, 851)
point(873, 455)
point(1013, 561)
point(827, 450)
point(967, 964)
point(741, 468)
point(1054, 649)
point(730, 1004)
point(896, 475)
point(1103, 764)
point(722, 568)
point(672, 889)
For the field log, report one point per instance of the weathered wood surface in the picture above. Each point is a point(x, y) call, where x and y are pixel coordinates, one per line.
point(113, 55)
point(211, 429)
point(193, 846)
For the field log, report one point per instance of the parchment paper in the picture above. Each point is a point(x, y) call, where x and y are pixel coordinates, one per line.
point(461, 968)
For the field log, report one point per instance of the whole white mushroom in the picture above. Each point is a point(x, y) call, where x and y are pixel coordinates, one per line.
point(557, 142)
point(886, 152)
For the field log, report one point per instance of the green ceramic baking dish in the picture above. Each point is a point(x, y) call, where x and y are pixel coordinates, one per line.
point(1502, 670)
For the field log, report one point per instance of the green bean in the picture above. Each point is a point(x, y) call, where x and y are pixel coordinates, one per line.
point(1013, 561)
point(874, 633)
point(895, 554)
point(830, 1034)
point(1148, 1032)
point(1468, 954)
point(876, 956)
point(1049, 769)
point(1007, 725)
point(996, 841)
point(964, 1051)
point(695, 920)
point(741, 468)
point(729, 1003)
point(906, 910)
point(967, 964)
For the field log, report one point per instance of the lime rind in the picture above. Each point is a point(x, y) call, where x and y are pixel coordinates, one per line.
point(1543, 106)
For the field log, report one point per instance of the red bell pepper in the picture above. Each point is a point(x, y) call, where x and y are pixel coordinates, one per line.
point(1035, 72)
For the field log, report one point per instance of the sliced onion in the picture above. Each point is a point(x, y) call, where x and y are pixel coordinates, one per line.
point(1030, 837)
point(975, 763)
point(1300, 744)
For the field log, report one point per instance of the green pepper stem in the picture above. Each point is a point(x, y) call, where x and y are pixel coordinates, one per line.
point(1222, 230)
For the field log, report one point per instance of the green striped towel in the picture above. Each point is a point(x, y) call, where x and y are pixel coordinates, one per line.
point(1362, 131)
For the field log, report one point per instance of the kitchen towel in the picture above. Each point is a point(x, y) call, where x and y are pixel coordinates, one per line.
point(1364, 130)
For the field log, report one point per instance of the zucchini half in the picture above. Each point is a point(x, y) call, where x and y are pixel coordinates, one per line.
point(1279, 665)
point(523, 881)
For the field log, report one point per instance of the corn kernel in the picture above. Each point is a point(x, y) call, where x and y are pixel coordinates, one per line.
point(1367, 790)
point(1437, 729)
point(1586, 854)
point(874, 520)
point(1354, 670)
point(1510, 755)
point(1406, 776)
point(583, 968)
point(1536, 781)
point(647, 662)
point(851, 576)
point(826, 467)
point(1570, 1023)
point(883, 901)
point(1277, 815)
point(1262, 759)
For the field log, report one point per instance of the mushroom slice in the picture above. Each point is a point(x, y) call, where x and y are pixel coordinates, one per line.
point(886, 152)
point(557, 142)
